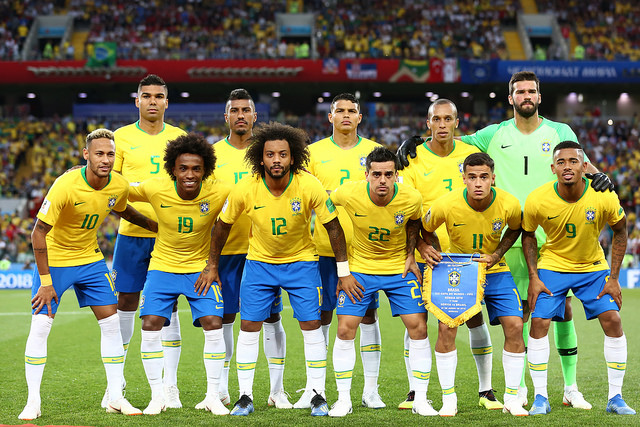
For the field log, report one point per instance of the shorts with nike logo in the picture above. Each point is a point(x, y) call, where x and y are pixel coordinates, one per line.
point(161, 291)
point(585, 286)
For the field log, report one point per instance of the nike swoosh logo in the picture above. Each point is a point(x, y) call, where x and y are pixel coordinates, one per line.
point(553, 217)
point(78, 203)
point(325, 161)
point(611, 300)
point(505, 146)
point(427, 174)
point(258, 207)
point(137, 146)
point(219, 307)
point(457, 225)
point(165, 206)
point(357, 214)
point(219, 166)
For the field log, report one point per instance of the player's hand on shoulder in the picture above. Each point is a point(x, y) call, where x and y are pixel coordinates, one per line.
point(536, 287)
point(612, 288)
point(600, 181)
point(351, 287)
point(43, 298)
point(207, 277)
point(408, 148)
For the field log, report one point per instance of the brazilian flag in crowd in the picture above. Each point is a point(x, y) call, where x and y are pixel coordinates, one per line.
point(104, 55)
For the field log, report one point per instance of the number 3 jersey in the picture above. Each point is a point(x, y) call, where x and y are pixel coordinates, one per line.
point(75, 210)
point(139, 156)
point(471, 231)
point(572, 228)
point(379, 232)
point(280, 225)
point(184, 226)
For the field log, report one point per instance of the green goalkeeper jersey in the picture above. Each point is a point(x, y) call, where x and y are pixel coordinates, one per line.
point(522, 162)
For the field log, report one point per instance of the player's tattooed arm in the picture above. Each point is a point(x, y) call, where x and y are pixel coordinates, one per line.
point(135, 217)
point(508, 239)
point(348, 284)
point(410, 265)
point(618, 249)
point(429, 247)
point(45, 294)
point(219, 236)
point(530, 248)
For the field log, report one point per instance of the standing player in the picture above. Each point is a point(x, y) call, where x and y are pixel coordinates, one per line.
point(572, 216)
point(240, 115)
point(278, 199)
point(475, 218)
point(521, 148)
point(334, 161)
point(67, 254)
point(187, 205)
point(139, 150)
point(386, 222)
point(438, 171)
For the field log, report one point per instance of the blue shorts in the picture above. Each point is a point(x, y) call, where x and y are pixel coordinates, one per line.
point(92, 283)
point(586, 286)
point(162, 289)
point(131, 257)
point(329, 276)
point(405, 296)
point(260, 292)
point(501, 297)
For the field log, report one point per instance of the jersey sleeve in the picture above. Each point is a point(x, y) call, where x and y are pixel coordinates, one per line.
point(481, 138)
point(565, 133)
point(121, 203)
point(417, 211)
point(529, 217)
point(321, 203)
point(53, 203)
point(137, 192)
point(434, 217)
point(615, 212)
point(233, 206)
point(117, 164)
point(514, 214)
point(337, 196)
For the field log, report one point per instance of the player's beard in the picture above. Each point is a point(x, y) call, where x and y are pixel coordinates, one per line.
point(241, 132)
point(285, 170)
point(527, 113)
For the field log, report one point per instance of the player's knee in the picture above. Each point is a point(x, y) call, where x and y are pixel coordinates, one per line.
point(346, 332)
point(539, 327)
point(273, 318)
point(370, 317)
point(128, 301)
point(611, 323)
point(475, 321)
point(326, 317)
point(228, 318)
point(152, 323)
point(210, 322)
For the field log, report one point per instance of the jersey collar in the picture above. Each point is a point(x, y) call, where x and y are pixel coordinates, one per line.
point(359, 139)
point(493, 198)
point(285, 188)
point(395, 193)
point(141, 130)
point(586, 187)
point(83, 172)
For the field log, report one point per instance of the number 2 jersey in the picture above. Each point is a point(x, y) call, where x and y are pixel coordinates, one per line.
point(379, 232)
point(76, 210)
point(572, 228)
point(139, 156)
point(184, 226)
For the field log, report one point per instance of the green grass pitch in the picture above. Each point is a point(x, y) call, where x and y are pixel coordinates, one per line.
point(74, 379)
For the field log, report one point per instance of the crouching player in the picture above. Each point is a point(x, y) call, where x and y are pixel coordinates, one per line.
point(187, 205)
point(386, 222)
point(476, 217)
point(572, 215)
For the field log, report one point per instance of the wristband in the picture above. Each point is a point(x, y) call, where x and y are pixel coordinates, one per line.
point(45, 280)
point(343, 268)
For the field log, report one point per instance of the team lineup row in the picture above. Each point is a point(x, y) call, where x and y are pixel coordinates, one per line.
point(261, 243)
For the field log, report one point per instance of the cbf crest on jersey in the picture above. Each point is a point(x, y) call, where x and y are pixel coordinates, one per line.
point(398, 218)
point(461, 167)
point(590, 215)
point(363, 161)
point(204, 207)
point(496, 225)
point(296, 206)
point(546, 147)
point(112, 201)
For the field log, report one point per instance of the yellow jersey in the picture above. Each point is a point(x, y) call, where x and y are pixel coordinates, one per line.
point(184, 226)
point(379, 232)
point(139, 156)
point(231, 168)
point(75, 210)
point(280, 226)
point(471, 231)
point(572, 229)
point(434, 176)
point(333, 166)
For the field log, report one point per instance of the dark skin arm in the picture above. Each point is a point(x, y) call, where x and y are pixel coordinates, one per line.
point(618, 249)
point(508, 239)
point(39, 242)
point(135, 217)
point(219, 236)
point(429, 248)
point(348, 284)
point(530, 248)
point(410, 265)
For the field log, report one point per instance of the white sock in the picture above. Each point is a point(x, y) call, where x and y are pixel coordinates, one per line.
point(513, 365)
point(315, 353)
point(35, 355)
point(446, 364)
point(538, 354)
point(246, 358)
point(407, 363)
point(370, 348)
point(127, 322)
point(213, 354)
point(112, 353)
point(615, 354)
point(152, 361)
point(325, 332)
point(420, 359)
point(344, 360)
point(482, 350)
point(274, 340)
point(227, 333)
point(172, 346)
